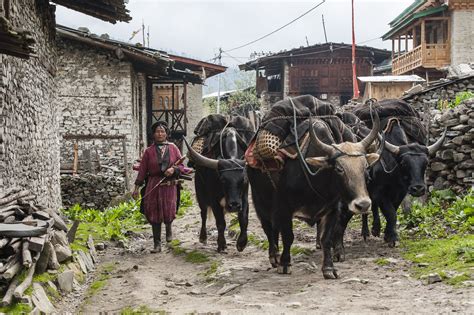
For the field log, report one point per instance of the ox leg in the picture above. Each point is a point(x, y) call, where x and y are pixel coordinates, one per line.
point(390, 214)
point(338, 234)
point(365, 227)
point(220, 223)
point(287, 236)
point(243, 222)
point(328, 222)
point(203, 233)
point(318, 235)
point(376, 220)
point(272, 237)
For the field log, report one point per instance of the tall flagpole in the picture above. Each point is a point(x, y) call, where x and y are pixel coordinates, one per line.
point(355, 85)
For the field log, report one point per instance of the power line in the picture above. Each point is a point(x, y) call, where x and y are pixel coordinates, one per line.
point(278, 29)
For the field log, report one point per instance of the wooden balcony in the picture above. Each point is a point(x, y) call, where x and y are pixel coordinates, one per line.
point(425, 55)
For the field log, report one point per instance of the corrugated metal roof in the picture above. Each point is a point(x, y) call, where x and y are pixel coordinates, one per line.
point(392, 78)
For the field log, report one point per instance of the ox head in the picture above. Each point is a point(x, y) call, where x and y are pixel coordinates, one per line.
point(231, 174)
point(349, 163)
point(412, 159)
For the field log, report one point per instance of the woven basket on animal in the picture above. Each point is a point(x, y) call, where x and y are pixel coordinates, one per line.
point(394, 111)
point(276, 124)
point(209, 129)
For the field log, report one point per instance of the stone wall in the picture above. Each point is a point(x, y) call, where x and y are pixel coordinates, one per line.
point(453, 166)
point(98, 96)
point(29, 145)
point(195, 108)
point(462, 39)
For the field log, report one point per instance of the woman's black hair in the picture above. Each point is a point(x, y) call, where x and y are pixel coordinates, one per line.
point(161, 124)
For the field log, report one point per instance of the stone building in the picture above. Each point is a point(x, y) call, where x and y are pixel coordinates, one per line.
point(430, 35)
point(110, 93)
point(322, 70)
point(29, 131)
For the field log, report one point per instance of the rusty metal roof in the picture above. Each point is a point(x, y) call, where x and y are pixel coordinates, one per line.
point(107, 10)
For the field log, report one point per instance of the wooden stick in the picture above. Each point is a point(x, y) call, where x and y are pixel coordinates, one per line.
point(15, 196)
point(26, 254)
point(7, 299)
point(11, 260)
point(9, 191)
point(12, 271)
point(4, 242)
point(42, 263)
point(18, 293)
point(9, 207)
point(71, 235)
point(53, 259)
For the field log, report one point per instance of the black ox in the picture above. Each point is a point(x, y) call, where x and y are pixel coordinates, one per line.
point(400, 171)
point(340, 169)
point(221, 185)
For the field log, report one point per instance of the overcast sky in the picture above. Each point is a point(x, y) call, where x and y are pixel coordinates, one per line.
point(197, 28)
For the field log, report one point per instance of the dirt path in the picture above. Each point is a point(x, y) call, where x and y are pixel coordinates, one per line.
point(244, 283)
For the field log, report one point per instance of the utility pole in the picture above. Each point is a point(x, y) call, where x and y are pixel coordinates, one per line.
point(324, 28)
point(307, 43)
point(143, 32)
point(355, 85)
point(219, 57)
point(148, 37)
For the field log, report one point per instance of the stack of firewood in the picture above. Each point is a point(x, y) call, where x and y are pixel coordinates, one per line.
point(32, 238)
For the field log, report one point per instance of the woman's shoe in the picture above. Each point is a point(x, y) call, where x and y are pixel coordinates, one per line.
point(156, 249)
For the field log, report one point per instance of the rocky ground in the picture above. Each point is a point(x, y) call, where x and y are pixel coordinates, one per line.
point(234, 282)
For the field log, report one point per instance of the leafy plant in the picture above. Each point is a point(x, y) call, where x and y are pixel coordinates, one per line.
point(444, 214)
point(460, 97)
point(111, 223)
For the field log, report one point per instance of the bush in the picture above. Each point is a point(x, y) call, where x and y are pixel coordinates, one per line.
point(111, 223)
point(460, 97)
point(444, 214)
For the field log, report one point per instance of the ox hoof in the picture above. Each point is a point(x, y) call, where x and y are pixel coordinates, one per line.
point(241, 244)
point(391, 240)
point(274, 261)
point(284, 270)
point(338, 257)
point(330, 273)
point(203, 240)
point(375, 232)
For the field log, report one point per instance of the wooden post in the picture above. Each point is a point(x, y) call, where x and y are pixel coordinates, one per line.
point(185, 106)
point(414, 37)
point(393, 49)
point(423, 50)
point(75, 162)
point(406, 42)
point(399, 45)
point(125, 163)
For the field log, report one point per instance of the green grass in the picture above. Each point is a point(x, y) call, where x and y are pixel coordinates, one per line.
point(460, 97)
point(453, 254)
point(382, 262)
point(297, 250)
point(443, 215)
point(16, 308)
point(212, 269)
point(186, 201)
point(193, 256)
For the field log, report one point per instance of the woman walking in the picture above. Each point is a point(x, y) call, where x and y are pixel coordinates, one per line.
point(161, 165)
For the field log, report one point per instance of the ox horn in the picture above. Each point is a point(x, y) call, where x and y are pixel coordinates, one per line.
point(435, 146)
point(327, 149)
point(200, 159)
point(367, 141)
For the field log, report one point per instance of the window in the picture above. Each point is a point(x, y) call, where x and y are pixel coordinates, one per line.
point(160, 102)
point(167, 101)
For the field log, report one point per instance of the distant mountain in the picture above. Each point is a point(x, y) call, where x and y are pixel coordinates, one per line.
point(232, 79)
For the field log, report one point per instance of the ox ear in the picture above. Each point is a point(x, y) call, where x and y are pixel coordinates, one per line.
point(372, 158)
point(320, 161)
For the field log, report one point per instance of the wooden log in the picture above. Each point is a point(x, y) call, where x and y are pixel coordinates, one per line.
point(58, 221)
point(42, 263)
point(20, 213)
point(14, 245)
point(71, 235)
point(6, 214)
point(59, 237)
point(7, 299)
point(4, 242)
point(14, 196)
point(18, 293)
point(9, 207)
point(26, 254)
point(11, 261)
point(53, 259)
point(36, 243)
point(9, 191)
point(9, 219)
point(13, 270)
point(41, 215)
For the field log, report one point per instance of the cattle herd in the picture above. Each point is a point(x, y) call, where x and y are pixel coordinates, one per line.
point(311, 162)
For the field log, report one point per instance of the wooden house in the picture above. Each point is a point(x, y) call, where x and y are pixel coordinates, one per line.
point(389, 86)
point(322, 70)
point(430, 35)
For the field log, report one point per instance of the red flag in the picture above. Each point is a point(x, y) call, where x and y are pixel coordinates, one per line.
point(355, 85)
